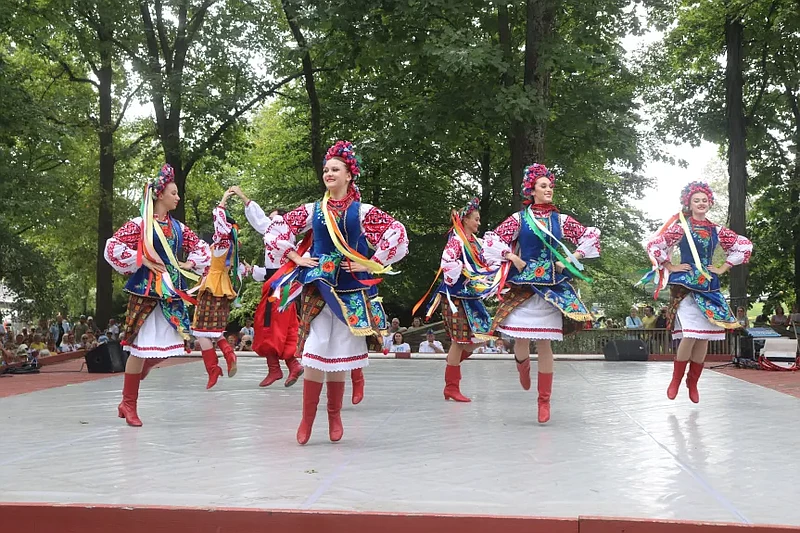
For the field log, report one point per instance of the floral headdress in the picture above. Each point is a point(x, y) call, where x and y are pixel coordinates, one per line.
point(344, 151)
point(473, 205)
point(165, 176)
point(530, 175)
point(692, 188)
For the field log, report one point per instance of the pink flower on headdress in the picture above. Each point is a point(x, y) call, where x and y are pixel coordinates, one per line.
point(529, 177)
point(344, 151)
point(693, 188)
point(165, 176)
point(473, 205)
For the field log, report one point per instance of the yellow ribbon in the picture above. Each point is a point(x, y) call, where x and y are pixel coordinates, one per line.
point(373, 267)
point(692, 247)
point(149, 227)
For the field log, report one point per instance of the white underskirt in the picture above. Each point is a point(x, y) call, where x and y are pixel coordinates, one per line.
point(693, 324)
point(331, 347)
point(535, 318)
point(156, 338)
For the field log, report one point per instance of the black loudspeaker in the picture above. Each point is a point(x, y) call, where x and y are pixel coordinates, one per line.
point(626, 350)
point(106, 359)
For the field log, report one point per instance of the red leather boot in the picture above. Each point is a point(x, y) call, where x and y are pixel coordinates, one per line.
point(545, 388)
point(678, 370)
point(695, 369)
point(229, 355)
point(130, 395)
point(452, 380)
point(311, 392)
point(213, 369)
point(335, 398)
point(149, 363)
point(295, 371)
point(274, 373)
point(357, 377)
point(524, 369)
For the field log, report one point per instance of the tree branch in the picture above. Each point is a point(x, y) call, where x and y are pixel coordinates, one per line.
point(162, 33)
point(128, 150)
point(66, 67)
point(197, 154)
point(125, 106)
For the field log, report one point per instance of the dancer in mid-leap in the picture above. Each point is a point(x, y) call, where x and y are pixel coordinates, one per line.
point(698, 311)
point(146, 248)
point(219, 287)
point(339, 308)
point(468, 280)
point(540, 295)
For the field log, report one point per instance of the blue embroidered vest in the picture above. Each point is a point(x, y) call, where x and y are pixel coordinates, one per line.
point(705, 240)
point(330, 259)
point(142, 282)
point(540, 269)
point(464, 288)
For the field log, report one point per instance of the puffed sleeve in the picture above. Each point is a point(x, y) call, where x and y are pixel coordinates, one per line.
point(198, 251)
point(737, 248)
point(120, 250)
point(222, 228)
point(256, 217)
point(385, 234)
point(587, 239)
point(497, 243)
point(451, 263)
point(280, 234)
point(658, 247)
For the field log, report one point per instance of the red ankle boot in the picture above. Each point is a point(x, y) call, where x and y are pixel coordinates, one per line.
point(274, 373)
point(311, 392)
point(130, 395)
point(524, 369)
point(678, 370)
point(357, 377)
point(213, 369)
point(452, 380)
point(295, 371)
point(149, 363)
point(695, 369)
point(545, 388)
point(335, 398)
point(465, 355)
point(229, 355)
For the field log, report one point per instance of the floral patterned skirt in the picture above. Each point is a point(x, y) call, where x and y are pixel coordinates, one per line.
point(700, 315)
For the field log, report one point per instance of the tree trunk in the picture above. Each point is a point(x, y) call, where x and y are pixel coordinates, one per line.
point(526, 138)
point(737, 149)
point(486, 183)
point(794, 185)
point(317, 150)
point(105, 218)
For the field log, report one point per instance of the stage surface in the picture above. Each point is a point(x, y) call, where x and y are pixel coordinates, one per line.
point(616, 446)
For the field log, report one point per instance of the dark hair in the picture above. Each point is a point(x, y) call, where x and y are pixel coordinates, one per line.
point(278, 210)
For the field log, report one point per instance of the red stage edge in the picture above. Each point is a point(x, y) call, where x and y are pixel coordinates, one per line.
point(87, 518)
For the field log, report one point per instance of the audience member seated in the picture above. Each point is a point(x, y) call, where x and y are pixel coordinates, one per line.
point(398, 346)
point(430, 344)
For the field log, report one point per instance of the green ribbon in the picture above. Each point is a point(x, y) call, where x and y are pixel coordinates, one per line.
point(535, 228)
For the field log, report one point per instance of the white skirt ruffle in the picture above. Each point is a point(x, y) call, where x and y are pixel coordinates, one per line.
point(156, 338)
point(331, 347)
point(691, 323)
point(536, 318)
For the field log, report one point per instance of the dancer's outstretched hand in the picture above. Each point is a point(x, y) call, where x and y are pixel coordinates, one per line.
point(238, 192)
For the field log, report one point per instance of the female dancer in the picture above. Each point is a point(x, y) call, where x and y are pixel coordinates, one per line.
point(695, 297)
point(540, 294)
point(215, 293)
point(275, 329)
point(468, 280)
point(339, 306)
point(146, 247)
